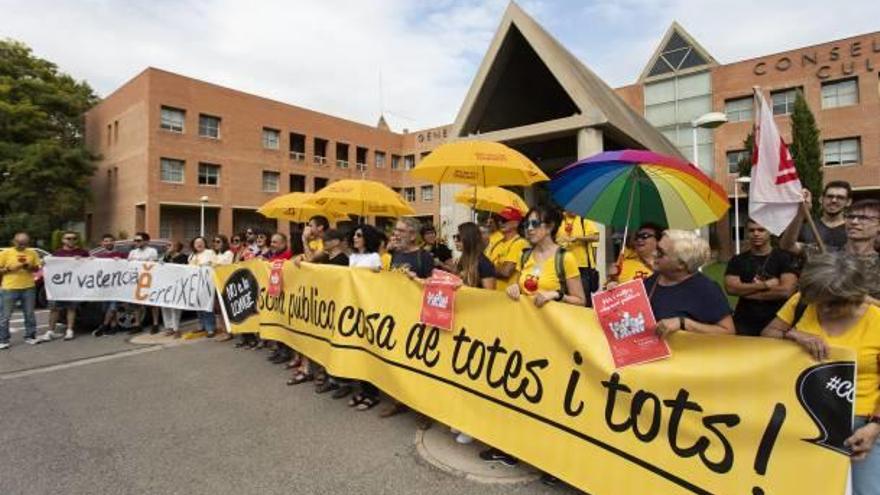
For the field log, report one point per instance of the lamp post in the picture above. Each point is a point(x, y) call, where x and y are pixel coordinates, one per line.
point(736, 186)
point(709, 120)
point(202, 200)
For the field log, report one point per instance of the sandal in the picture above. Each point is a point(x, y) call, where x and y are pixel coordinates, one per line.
point(300, 377)
point(295, 363)
point(325, 387)
point(342, 391)
point(368, 403)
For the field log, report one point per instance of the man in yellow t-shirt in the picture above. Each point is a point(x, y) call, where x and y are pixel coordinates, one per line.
point(313, 237)
point(506, 252)
point(17, 267)
point(494, 234)
point(578, 236)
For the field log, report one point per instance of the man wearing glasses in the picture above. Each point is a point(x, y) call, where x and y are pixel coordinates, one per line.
point(836, 198)
point(862, 233)
point(144, 252)
point(69, 249)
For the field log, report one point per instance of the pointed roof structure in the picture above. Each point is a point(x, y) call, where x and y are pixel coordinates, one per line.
point(382, 124)
point(528, 84)
point(678, 52)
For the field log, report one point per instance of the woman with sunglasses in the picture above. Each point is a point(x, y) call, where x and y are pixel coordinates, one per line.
point(638, 257)
point(202, 256)
point(542, 274)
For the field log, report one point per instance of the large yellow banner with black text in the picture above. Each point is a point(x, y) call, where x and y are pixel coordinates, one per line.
point(723, 415)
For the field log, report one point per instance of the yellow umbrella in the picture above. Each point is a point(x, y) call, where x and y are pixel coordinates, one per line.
point(478, 163)
point(363, 198)
point(492, 199)
point(295, 207)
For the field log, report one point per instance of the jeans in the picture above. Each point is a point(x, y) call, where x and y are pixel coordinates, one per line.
point(28, 298)
point(866, 473)
point(171, 318)
point(207, 321)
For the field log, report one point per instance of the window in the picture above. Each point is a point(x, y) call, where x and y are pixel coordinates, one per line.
point(320, 151)
point(395, 162)
point(209, 126)
point(739, 109)
point(270, 181)
point(427, 193)
point(115, 131)
point(842, 152)
point(172, 119)
point(409, 162)
point(297, 146)
point(783, 101)
point(171, 170)
point(380, 159)
point(672, 104)
point(209, 174)
point(409, 194)
point(320, 183)
point(397, 190)
point(271, 138)
point(342, 155)
point(423, 155)
point(840, 93)
point(297, 183)
point(734, 158)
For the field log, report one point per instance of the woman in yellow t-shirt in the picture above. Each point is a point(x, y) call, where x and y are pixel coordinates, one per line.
point(538, 275)
point(836, 313)
point(638, 258)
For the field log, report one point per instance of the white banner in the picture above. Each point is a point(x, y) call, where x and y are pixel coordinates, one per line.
point(139, 282)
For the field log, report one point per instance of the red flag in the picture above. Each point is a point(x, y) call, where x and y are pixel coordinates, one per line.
point(775, 190)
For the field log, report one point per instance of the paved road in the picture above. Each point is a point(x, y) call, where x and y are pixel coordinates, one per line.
point(104, 416)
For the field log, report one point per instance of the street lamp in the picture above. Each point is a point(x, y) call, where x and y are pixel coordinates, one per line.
point(709, 120)
point(202, 200)
point(736, 186)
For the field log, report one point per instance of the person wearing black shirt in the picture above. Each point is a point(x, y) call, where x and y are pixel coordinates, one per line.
point(763, 278)
point(681, 297)
point(438, 249)
point(831, 224)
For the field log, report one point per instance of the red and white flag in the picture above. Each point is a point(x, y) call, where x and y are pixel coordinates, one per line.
point(775, 192)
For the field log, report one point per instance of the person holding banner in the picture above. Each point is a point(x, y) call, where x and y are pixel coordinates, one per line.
point(546, 271)
point(108, 325)
point(171, 316)
point(67, 309)
point(506, 250)
point(681, 297)
point(313, 236)
point(832, 309)
point(144, 252)
point(17, 267)
point(202, 256)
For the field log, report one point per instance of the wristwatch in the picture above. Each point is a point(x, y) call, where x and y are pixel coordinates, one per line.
point(681, 323)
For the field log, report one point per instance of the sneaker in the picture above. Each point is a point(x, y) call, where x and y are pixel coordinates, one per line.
point(53, 334)
point(32, 340)
point(495, 455)
point(463, 438)
point(4, 345)
point(68, 335)
point(100, 331)
point(46, 337)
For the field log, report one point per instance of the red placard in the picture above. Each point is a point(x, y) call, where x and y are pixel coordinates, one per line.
point(276, 279)
point(625, 315)
point(438, 300)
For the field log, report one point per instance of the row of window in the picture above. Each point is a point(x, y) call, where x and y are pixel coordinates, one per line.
point(834, 152)
point(172, 171)
point(172, 120)
point(835, 94)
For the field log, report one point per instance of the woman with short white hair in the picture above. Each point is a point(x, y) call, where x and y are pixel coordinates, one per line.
point(681, 297)
point(832, 309)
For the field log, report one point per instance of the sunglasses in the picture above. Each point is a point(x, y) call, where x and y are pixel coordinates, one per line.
point(645, 235)
point(456, 238)
point(70, 238)
point(138, 240)
point(533, 223)
point(358, 234)
point(853, 217)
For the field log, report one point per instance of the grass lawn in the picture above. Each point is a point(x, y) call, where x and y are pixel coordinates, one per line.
point(715, 271)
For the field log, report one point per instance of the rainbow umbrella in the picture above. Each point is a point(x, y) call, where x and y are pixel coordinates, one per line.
point(630, 187)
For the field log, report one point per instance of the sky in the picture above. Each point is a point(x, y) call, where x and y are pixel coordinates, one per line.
point(412, 60)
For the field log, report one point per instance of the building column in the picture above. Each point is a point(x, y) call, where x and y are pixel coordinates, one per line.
point(590, 142)
point(151, 220)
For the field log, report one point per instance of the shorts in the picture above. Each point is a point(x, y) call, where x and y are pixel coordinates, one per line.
point(63, 304)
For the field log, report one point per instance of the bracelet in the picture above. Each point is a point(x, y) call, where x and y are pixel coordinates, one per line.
point(681, 325)
point(559, 296)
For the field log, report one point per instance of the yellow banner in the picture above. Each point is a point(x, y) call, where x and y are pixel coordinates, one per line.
point(723, 415)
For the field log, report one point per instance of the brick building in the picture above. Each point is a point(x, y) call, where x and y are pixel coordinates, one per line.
point(839, 80)
point(166, 141)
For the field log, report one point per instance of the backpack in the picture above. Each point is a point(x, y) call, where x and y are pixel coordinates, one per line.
point(558, 263)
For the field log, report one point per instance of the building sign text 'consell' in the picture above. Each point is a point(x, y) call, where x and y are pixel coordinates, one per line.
point(839, 60)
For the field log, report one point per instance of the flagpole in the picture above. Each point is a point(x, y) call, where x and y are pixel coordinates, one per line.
point(812, 224)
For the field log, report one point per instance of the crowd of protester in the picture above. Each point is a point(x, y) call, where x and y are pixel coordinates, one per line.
point(786, 288)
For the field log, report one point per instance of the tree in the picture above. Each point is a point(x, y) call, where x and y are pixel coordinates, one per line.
point(805, 148)
point(44, 166)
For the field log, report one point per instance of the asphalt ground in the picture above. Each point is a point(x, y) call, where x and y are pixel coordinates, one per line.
point(105, 416)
